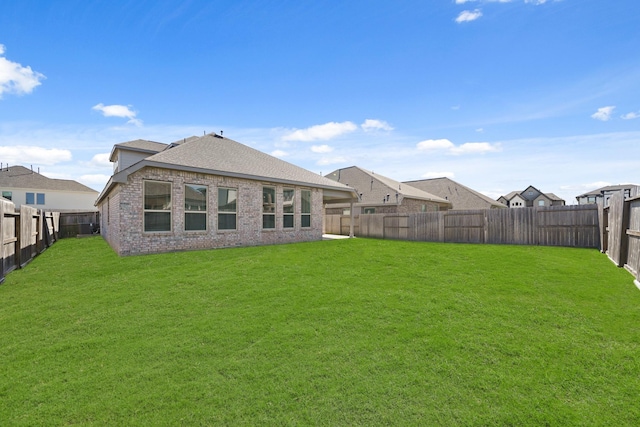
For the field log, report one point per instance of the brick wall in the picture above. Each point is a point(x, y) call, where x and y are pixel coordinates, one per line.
point(125, 234)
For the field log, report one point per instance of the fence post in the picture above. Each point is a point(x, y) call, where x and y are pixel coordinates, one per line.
point(18, 243)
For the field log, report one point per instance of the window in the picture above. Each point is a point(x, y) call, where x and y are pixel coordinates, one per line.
point(157, 206)
point(268, 207)
point(195, 207)
point(346, 211)
point(39, 199)
point(371, 210)
point(288, 198)
point(30, 199)
point(540, 202)
point(305, 218)
point(7, 195)
point(227, 208)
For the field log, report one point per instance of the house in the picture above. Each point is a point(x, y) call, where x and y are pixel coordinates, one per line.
point(530, 197)
point(379, 194)
point(460, 196)
point(209, 192)
point(604, 193)
point(24, 186)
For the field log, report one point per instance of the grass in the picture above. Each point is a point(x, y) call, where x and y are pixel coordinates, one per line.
point(349, 332)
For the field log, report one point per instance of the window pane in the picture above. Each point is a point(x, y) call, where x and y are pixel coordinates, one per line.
point(40, 199)
point(306, 201)
point(195, 198)
point(268, 200)
point(288, 200)
point(287, 221)
point(195, 221)
point(30, 199)
point(157, 195)
point(226, 221)
point(305, 220)
point(227, 200)
point(7, 195)
point(268, 221)
point(157, 221)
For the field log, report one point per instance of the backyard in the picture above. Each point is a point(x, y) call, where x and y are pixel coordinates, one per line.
point(346, 332)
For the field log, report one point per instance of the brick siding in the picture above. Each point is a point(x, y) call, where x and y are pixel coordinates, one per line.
point(122, 228)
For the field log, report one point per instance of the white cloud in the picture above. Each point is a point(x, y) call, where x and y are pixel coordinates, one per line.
point(321, 149)
point(21, 154)
point(14, 78)
point(279, 153)
point(450, 175)
point(123, 111)
point(468, 15)
point(631, 116)
point(331, 160)
point(536, 2)
point(463, 1)
point(603, 113)
point(92, 180)
point(451, 148)
point(321, 132)
point(373, 125)
point(435, 144)
point(476, 148)
point(480, 130)
point(100, 161)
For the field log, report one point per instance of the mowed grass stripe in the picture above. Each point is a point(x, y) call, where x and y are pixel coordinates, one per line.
point(348, 332)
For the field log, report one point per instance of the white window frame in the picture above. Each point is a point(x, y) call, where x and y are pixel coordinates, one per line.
point(305, 215)
point(189, 211)
point(227, 213)
point(269, 208)
point(145, 210)
point(289, 208)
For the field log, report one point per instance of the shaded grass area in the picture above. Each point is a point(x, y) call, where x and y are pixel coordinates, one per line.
point(349, 332)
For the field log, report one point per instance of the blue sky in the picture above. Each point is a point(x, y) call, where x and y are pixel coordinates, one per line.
point(497, 95)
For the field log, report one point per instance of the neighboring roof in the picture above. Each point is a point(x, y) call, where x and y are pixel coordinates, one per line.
point(448, 189)
point(363, 181)
point(512, 194)
point(553, 197)
point(215, 155)
point(21, 177)
point(600, 191)
point(139, 145)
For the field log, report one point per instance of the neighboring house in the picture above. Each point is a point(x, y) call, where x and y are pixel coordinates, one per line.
point(379, 194)
point(460, 196)
point(530, 197)
point(24, 186)
point(604, 193)
point(209, 192)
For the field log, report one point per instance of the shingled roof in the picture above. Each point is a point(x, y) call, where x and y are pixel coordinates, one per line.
point(468, 198)
point(374, 187)
point(22, 177)
point(140, 145)
point(216, 155)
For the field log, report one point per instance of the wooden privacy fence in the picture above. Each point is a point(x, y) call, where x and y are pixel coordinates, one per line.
point(575, 226)
point(73, 224)
point(620, 229)
point(25, 233)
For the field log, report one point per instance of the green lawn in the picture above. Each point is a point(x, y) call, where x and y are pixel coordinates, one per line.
point(348, 332)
